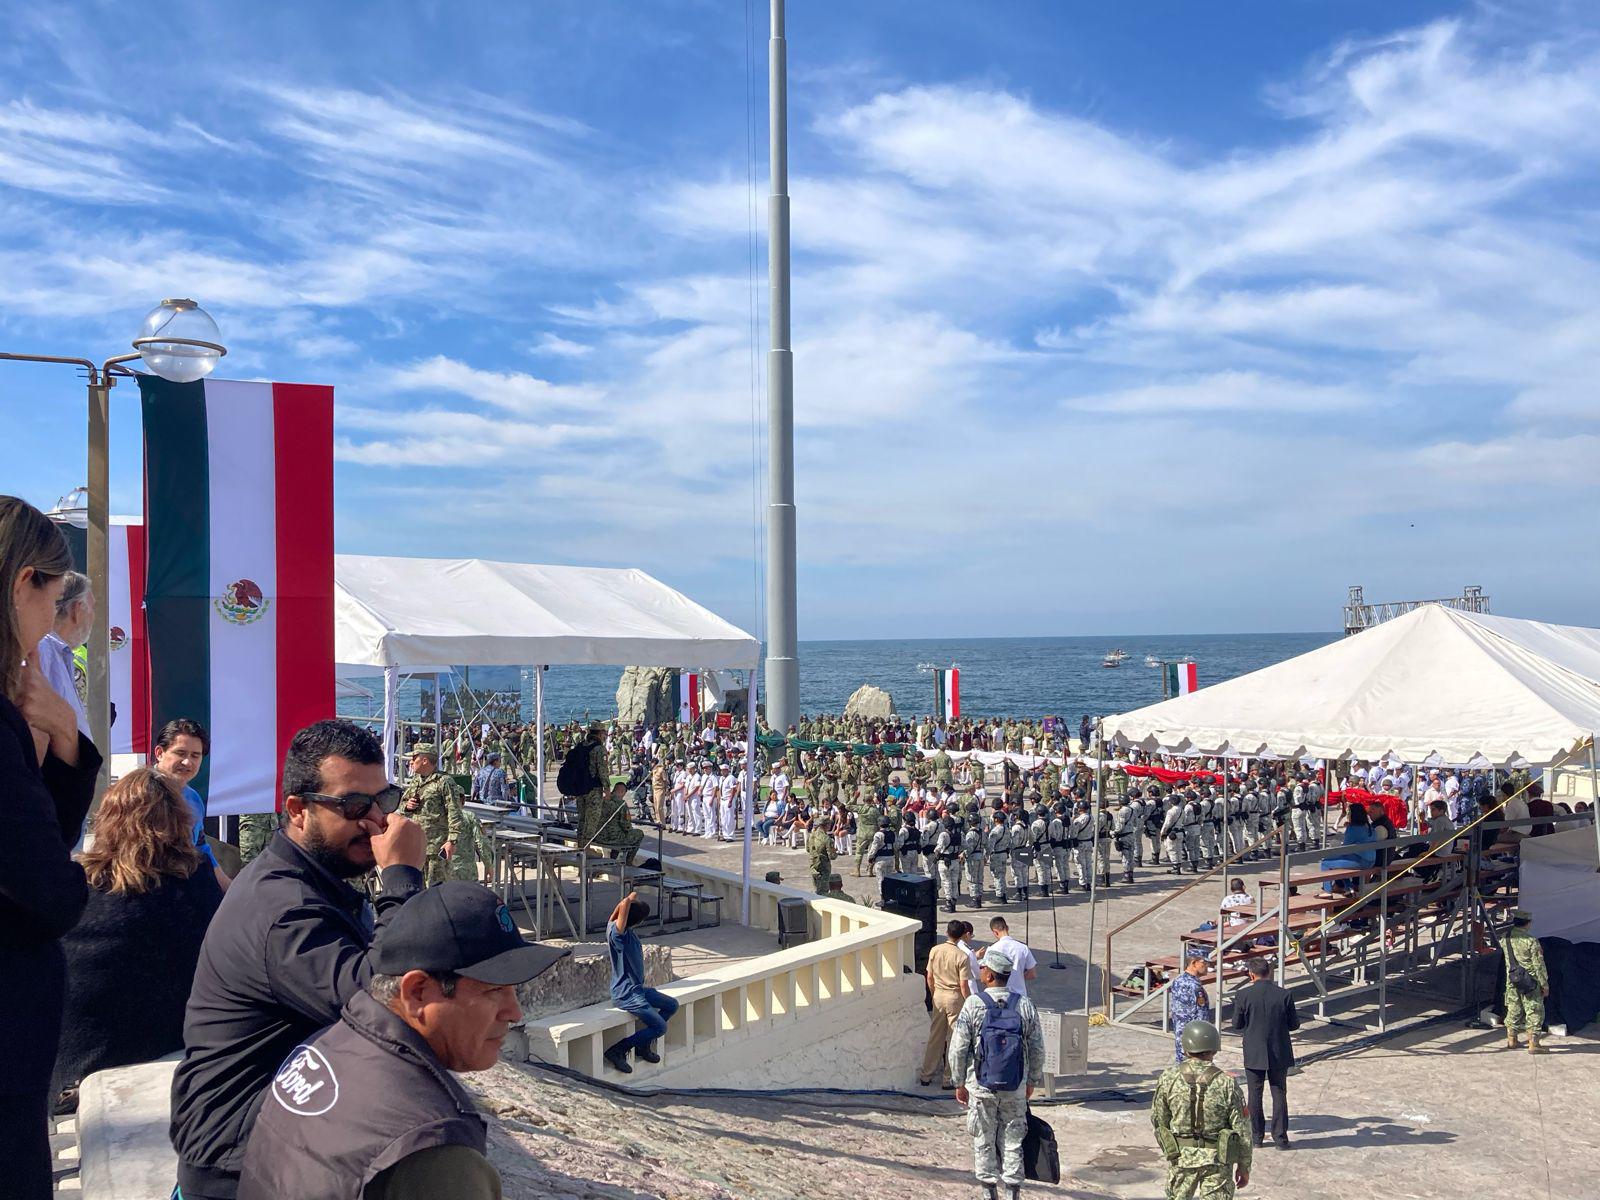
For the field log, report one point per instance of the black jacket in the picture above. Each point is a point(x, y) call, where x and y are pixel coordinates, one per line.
point(130, 964)
point(42, 893)
point(1265, 1013)
point(351, 1103)
point(284, 953)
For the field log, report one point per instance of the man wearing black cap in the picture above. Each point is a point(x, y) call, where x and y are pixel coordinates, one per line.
point(367, 1109)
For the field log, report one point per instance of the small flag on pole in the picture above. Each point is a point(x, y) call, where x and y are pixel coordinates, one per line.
point(1182, 678)
point(947, 694)
point(688, 697)
point(130, 664)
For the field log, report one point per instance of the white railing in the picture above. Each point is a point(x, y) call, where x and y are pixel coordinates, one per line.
point(853, 950)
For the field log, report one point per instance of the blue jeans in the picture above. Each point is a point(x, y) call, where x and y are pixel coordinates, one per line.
point(653, 1009)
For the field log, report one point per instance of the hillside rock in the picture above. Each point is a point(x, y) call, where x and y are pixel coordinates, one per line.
point(647, 694)
point(869, 701)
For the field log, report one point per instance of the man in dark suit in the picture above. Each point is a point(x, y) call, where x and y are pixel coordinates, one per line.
point(1265, 1014)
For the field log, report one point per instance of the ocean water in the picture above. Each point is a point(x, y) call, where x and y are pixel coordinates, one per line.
point(1022, 677)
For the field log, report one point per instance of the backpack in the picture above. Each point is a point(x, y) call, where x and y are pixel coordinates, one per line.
point(575, 778)
point(1040, 1158)
point(1000, 1044)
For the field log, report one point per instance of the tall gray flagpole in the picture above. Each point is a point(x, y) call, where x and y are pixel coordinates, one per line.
point(783, 663)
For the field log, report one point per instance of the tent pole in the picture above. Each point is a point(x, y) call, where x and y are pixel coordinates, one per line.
point(1094, 857)
point(751, 779)
point(1226, 850)
point(391, 683)
point(438, 716)
point(538, 733)
point(1594, 792)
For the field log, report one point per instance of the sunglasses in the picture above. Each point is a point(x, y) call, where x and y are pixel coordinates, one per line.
point(357, 805)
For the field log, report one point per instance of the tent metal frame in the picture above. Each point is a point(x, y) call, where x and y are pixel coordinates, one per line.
point(1375, 961)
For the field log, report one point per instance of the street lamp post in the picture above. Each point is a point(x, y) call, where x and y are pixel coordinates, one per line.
point(178, 340)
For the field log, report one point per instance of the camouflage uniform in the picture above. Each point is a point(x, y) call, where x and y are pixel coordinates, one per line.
point(819, 849)
point(1200, 1158)
point(590, 805)
point(996, 1116)
point(255, 831)
point(868, 817)
point(472, 847)
point(1188, 1003)
point(434, 802)
point(1525, 1013)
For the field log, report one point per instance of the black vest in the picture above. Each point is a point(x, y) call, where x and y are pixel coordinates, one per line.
point(350, 1103)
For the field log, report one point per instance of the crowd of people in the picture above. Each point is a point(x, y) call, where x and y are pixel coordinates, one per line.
point(358, 945)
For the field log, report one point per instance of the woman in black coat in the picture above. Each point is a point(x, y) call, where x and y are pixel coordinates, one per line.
point(47, 774)
point(131, 958)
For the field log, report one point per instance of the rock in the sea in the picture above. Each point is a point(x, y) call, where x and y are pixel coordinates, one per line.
point(647, 694)
point(869, 701)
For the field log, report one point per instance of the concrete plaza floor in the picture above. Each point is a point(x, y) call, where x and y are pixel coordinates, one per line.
point(1438, 1110)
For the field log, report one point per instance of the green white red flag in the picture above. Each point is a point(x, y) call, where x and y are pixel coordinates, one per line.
point(130, 663)
point(947, 694)
point(239, 572)
point(1182, 678)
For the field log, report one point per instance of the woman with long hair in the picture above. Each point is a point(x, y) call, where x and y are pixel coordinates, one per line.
point(47, 774)
point(131, 958)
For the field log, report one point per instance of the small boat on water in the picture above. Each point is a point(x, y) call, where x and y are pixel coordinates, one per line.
point(1114, 659)
point(1150, 660)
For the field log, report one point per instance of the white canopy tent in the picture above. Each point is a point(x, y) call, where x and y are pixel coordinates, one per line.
point(440, 612)
point(426, 614)
point(1435, 684)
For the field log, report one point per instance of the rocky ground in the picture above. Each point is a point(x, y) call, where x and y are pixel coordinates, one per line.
point(1442, 1115)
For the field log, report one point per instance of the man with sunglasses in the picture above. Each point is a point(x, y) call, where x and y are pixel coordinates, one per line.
point(288, 947)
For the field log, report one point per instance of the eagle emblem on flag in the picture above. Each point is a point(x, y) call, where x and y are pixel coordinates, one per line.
point(241, 603)
point(118, 636)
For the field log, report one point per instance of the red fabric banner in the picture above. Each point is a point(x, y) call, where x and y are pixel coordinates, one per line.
point(1394, 806)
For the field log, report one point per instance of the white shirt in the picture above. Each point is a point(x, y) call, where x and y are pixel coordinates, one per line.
point(1022, 961)
point(780, 783)
point(972, 961)
point(58, 667)
point(727, 786)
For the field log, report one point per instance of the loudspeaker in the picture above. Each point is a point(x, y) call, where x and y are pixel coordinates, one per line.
point(914, 896)
point(910, 891)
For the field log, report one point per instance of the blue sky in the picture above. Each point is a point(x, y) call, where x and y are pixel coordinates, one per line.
point(1165, 317)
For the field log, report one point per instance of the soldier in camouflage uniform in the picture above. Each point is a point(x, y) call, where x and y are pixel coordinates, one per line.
point(1200, 1123)
point(1525, 1010)
point(591, 804)
point(819, 849)
point(868, 817)
point(255, 831)
point(614, 826)
point(433, 800)
point(472, 847)
point(996, 1119)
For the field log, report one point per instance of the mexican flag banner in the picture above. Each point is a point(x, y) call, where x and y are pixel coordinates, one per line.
point(130, 661)
point(947, 694)
point(1181, 678)
point(688, 697)
point(239, 572)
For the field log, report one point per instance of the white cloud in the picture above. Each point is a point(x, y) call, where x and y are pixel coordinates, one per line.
point(557, 346)
point(511, 391)
point(1227, 391)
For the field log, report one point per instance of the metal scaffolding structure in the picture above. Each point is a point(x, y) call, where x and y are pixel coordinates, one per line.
point(1350, 949)
point(1359, 615)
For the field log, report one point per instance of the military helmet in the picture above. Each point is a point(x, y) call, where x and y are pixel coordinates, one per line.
point(1201, 1037)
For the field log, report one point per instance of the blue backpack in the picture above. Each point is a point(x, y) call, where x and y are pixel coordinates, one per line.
point(1000, 1045)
